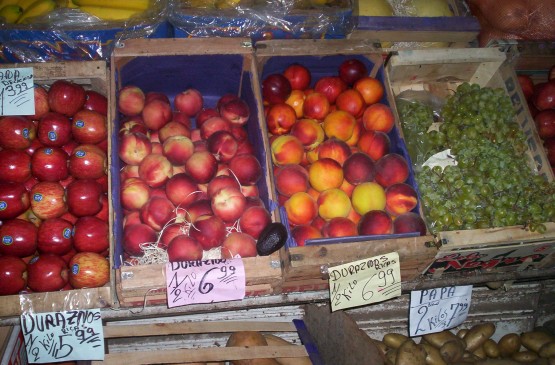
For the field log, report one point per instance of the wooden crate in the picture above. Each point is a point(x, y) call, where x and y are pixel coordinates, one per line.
point(441, 71)
point(215, 67)
point(93, 75)
point(304, 267)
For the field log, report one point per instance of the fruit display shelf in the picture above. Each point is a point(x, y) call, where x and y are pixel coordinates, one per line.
point(214, 67)
point(93, 76)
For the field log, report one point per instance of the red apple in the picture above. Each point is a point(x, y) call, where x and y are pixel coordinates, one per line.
point(131, 100)
point(209, 230)
point(88, 162)
point(95, 101)
point(47, 272)
point(14, 200)
point(49, 164)
point(157, 212)
point(527, 85)
point(104, 212)
point(54, 129)
point(84, 197)
point(134, 147)
point(66, 97)
point(189, 102)
point(35, 144)
point(239, 244)
point(55, 236)
point(544, 97)
point(229, 204)
point(15, 166)
point(13, 275)
point(19, 238)
point(254, 220)
point(41, 103)
point(184, 248)
point(69, 147)
point(276, 88)
point(351, 70)
point(91, 234)
point(545, 123)
point(16, 132)
point(88, 270)
point(298, 75)
point(48, 199)
point(89, 127)
point(155, 169)
point(156, 114)
point(136, 234)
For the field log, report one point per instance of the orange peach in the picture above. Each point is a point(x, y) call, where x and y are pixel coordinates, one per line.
point(358, 168)
point(305, 232)
point(312, 155)
point(408, 223)
point(375, 222)
point(333, 203)
point(339, 124)
point(378, 117)
point(296, 101)
point(291, 179)
point(356, 134)
point(368, 196)
point(287, 149)
point(300, 208)
point(309, 132)
point(280, 118)
point(318, 223)
point(351, 101)
point(325, 174)
point(391, 169)
point(347, 187)
point(370, 88)
point(316, 106)
point(313, 193)
point(335, 149)
point(354, 216)
point(400, 198)
point(374, 144)
point(339, 227)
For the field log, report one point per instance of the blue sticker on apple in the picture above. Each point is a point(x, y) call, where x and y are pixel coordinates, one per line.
point(48, 151)
point(7, 240)
point(80, 153)
point(37, 197)
point(3, 205)
point(79, 123)
point(75, 269)
point(67, 233)
point(52, 136)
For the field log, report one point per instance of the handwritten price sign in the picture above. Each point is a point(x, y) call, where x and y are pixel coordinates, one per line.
point(17, 96)
point(366, 281)
point(205, 281)
point(435, 310)
point(63, 336)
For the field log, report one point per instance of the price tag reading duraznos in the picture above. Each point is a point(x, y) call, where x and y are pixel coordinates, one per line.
point(365, 281)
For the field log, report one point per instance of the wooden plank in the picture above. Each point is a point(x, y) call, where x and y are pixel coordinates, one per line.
point(160, 329)
point(413, 36)
point(203, 354)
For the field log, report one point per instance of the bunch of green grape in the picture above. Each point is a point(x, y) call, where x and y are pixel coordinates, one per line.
point(493, 183)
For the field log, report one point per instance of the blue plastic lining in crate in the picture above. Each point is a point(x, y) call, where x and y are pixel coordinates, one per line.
point(319, 67)
point(34, 45)
point(213, 76)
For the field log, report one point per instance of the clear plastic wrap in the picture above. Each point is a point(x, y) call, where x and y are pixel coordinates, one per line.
point(72, 34)
point(261, 20)
point(65, 300)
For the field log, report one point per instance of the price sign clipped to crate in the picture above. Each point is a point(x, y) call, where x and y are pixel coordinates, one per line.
point(63, 336)
point(205, 281)
point(365, 281)
point(435, 310)
point(17, 96)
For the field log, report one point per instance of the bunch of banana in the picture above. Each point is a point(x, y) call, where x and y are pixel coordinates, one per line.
point(21, 11)
point(113, 9)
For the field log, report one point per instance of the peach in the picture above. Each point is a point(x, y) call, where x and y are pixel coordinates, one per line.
point(391, 169)
point(291, 179)
point(316, 106)
point(245, 147)
point(311, 155)
point(333, 203)
point(178, 149)
point(254, 220)
point(246, 168)
point(157, 148)
point(181, 190)
point(173, 129)
point(378, 117)
point(368, 196)
point(335, 149)
point(309, 132)
point(358, 168)
point(228, 203)
point(400, 198)
point(313, 193)
point(213, 125)
point(305, 232)
point(280, 118)
point(325, 174)
point(339, 227)
point(238, 244)
point(156, 114)
point(318, 222)
point(223, 145)
point(331, 86)
point(347, 187)
point(157, 212)
point(354, 216)
point(287, 149)
point(134, 193)
point(155, 170)
point(370, 88)
point(375, 222)
point(351, 101)
point(202, 166)
point(250, 190)
point(221, 181)
point(197, 209)
point(339, 124)
point(296, 101)
point(300, 208)
point(408, 223)
point(134, 147)
point(131, 100)
point(204, 115)
point(356, 134)
point(209, 230)
point(374, 144)
point(184, 248)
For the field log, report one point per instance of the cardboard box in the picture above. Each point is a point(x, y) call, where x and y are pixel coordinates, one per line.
point(214, 67)
point(92, 75)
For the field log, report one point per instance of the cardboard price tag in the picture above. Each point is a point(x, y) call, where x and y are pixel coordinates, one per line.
point(365, 281)
point(63, 336)
point(205, 281)
point(17, 95)
point(435, 310)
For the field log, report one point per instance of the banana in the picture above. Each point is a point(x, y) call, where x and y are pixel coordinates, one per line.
point(117, 4)
point(7, 2)
point(11, 13)
point(38, 8)
point(25, 4)
point(110, 13)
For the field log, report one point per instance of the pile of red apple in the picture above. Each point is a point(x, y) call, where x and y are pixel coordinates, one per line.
point(54, 192)
point(541, 102)
point(188, 190)
point(334, 171)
